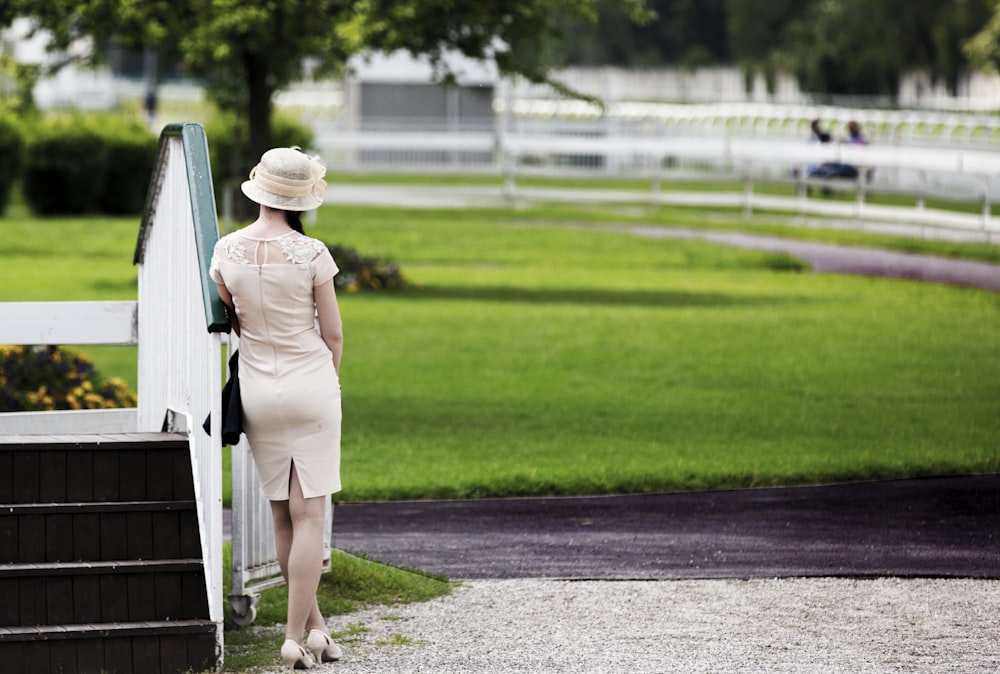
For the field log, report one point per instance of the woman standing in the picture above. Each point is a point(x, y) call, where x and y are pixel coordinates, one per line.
point(278, 283)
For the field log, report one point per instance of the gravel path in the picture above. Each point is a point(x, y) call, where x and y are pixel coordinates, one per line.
point(650, 627)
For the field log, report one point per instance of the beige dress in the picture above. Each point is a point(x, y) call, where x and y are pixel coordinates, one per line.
point(289, 387)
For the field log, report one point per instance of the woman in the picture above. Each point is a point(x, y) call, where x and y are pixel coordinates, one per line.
point(277, 282)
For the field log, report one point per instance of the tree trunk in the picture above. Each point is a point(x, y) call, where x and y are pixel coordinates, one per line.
point(259, 96)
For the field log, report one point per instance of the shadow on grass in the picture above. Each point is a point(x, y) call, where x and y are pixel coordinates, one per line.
point(597, 296)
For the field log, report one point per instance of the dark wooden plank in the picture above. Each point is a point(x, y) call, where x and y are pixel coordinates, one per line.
point(183, 476)
point(132, 475)
point(159, 475)
point(174, 655)
point(86, 599)
point(9, 538)
point(146, 655)
point(12, 656)
point(36, 658)
point(80, 476)
point(169, 597)
point(52, 487)
point(25, 470)
point(114, 536)
point(141, 597)
point(59, 538)
point(62, 656)
point(7, 477)
point(107, 486)
point(118, 656)
point(114, 598)
point(87, 537)
point(59, 600)
point(140, 535)
point(90, 655)
point(202, 652)
point(166, 535)
point(190, 535)
point(31, 596)
point(195, 596)
point(10, 602)
point(31, 538)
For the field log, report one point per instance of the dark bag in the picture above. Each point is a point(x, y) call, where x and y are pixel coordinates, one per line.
point(232, 406)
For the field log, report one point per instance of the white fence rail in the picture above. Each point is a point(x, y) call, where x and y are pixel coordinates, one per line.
point(75, 323)
point(949, 173)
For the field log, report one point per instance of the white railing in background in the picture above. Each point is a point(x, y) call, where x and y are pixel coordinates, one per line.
point(947, 173)
point(77, 323)
point(763, 119)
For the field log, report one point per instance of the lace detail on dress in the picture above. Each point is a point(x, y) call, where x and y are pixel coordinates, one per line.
point(236, 251)
point(300, 249)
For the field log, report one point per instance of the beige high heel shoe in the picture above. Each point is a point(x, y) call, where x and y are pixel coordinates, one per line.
point(322, 647)
point(295, 656)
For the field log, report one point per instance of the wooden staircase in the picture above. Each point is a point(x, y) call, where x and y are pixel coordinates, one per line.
point(101, 568)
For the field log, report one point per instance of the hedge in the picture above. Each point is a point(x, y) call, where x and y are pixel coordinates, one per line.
point(77, 164)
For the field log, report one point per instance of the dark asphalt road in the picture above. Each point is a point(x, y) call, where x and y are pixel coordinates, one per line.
point(942, 527)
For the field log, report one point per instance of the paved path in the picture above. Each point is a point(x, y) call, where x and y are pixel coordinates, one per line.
point(848, 260)
point(942, 527)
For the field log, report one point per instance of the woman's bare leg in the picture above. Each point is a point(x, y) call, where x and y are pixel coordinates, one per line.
point(298, 535)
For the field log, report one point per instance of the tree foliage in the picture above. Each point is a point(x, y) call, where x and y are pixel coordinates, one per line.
point(689, 33)
point(983, 48)
point(863, 47)
point(247, 51)
point(857, 47)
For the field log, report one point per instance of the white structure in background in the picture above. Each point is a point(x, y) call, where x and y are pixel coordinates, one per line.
point(397, 92)
point(71, 86)
point(389, 90)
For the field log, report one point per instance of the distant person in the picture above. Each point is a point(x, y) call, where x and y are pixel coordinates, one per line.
point(818, 134)
point(149, 103)
point(843, 170)
point(854, 134)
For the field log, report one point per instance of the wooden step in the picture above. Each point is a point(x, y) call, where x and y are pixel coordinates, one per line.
point(142, 647)
point(98, 531)
point(100, 557)
point(103, 592)
point(85, 468)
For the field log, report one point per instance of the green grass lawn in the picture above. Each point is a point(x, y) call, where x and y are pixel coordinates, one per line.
point(537, 358)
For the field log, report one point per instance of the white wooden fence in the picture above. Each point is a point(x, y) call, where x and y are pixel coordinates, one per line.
point(969, 173)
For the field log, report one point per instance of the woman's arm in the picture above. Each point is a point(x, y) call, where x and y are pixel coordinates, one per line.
point(330, 326)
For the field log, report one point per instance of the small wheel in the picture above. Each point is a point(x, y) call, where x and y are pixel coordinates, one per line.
point(244, 619)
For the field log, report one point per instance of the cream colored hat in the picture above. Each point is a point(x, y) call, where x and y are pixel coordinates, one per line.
point(287, 179)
